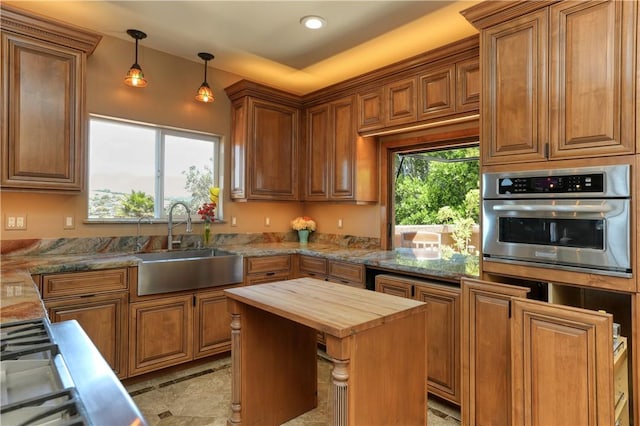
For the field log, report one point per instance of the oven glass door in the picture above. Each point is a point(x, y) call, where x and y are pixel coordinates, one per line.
point(580, 233)
point(590, 234)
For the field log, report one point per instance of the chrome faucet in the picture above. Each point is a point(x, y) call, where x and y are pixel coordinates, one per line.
point(170, 241)
point(140, 219)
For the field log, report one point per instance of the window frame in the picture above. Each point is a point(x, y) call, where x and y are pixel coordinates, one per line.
point(161, 132)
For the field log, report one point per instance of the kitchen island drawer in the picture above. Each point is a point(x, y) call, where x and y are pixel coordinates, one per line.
point(84, 283)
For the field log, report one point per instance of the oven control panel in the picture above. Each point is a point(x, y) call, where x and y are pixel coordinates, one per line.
point(582, 183)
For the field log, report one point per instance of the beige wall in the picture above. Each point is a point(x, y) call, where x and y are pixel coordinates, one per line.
point(167, 100)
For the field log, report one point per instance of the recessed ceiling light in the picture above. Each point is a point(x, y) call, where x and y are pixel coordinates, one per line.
point(313, 22)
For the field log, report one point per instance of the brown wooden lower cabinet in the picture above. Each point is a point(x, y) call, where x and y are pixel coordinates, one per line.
point(532, 362)
point(98, 300)
point(266, 269)
point(161, 333)
point(103, 318)
point(212, 333)
point(336, 271)
point(170, 330)
point(443, 329)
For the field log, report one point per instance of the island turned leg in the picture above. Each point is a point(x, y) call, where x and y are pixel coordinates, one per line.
point(236, 368)
point(340, 392)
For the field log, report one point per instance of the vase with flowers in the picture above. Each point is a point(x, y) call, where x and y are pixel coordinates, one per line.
point(207, 213)
point(304, 225)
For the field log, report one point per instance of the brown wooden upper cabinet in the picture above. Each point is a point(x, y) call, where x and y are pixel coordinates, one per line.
point(265, 134)
point(434, 93)
point(340, 164)
point(43, 92)
point(558, 80)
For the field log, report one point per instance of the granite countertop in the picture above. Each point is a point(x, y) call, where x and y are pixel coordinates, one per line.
point(20, 296)
point(427, 262)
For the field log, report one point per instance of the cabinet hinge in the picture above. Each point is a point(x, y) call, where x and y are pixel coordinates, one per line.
point(194, 300)
point(509, 308)
point(546, 151)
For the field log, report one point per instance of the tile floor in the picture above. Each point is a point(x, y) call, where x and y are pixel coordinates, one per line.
point(200, 395)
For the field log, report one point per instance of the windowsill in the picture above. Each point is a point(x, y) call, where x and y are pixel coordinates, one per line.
point(145, 222)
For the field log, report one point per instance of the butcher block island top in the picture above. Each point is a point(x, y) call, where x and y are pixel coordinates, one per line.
point(335, 309)
point(377, 344)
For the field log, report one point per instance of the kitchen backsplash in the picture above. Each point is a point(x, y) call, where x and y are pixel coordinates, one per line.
point(130, 244)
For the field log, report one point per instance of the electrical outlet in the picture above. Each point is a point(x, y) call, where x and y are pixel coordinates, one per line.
point(233, 221)
point(21, 222)
point(267, 221)
point(340, 223)
point(69, 222)
point(11, 222)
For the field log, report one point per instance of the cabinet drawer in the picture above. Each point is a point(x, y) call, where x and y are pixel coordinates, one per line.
point(256, 265)
point(76, 283)
point(310, 265)
point(346, 272)
point(266, 277)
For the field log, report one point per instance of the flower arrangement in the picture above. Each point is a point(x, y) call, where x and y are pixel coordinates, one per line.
point(207, 212)
point(303, 223)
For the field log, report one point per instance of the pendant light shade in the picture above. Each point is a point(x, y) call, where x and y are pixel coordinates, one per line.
point(135, 77)
point(205, 94)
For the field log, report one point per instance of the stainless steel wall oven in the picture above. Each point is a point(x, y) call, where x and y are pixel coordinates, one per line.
point(574, 219)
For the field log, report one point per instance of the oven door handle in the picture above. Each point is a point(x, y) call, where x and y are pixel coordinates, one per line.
point(546, 208)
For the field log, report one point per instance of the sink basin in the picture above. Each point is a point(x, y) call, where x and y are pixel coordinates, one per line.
point(169, 271)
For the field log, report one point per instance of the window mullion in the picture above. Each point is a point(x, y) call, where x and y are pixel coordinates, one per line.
point(159, 195)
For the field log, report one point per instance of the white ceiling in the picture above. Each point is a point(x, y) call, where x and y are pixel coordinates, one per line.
point(264, 41)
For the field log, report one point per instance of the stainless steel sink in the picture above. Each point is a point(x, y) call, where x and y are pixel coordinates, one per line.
point(169, 271)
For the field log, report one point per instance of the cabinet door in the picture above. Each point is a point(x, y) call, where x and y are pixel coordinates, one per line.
point(437, 89)
point(161, 333)
point(273, 155)
point(443, 331)
point(212, 321)
point(486, 354)
point(103, 318)
point(371, 110)
point(467, 85)
point(401, 101)
point(514, 84)
point(396, 287)
point(343, 149)
point(592, 78)
point(239, 125)
point(43, 91)
point(316, 175)
point(561, 354)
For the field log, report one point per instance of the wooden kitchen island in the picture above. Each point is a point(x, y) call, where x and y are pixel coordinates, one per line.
point(377, 343)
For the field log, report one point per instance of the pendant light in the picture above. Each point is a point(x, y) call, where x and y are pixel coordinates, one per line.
point(205, 94)
point(135, 77)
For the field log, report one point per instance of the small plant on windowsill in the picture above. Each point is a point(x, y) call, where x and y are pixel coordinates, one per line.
point(304, 225)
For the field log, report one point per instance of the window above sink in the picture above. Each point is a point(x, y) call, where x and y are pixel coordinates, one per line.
point(140, 169)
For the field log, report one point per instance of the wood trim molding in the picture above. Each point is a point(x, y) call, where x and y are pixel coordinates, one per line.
point(492, 12)
point(18, 21)
point(452, 52)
